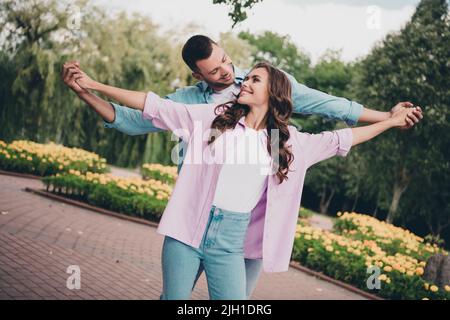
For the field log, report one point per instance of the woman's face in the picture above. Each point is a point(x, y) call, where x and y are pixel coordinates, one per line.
point(255, 88)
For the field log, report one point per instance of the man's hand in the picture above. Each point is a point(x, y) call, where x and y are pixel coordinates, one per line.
point(68, 75)
point(412, 117)
point(402, 117)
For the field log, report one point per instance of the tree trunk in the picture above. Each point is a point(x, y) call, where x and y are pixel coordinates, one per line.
point(325, 201)
point(355, 202)
point(400, 186)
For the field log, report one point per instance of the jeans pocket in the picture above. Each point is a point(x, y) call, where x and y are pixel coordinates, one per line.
point(231, 234)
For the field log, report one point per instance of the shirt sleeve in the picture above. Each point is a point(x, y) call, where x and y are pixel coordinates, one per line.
point(130, 121)
point(310, 101)
point(177, 117)
point(322, 146)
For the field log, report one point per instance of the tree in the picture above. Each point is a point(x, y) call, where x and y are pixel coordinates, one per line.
point(280, 51)
point(116, 49)
point(412, 65)
point(239, 8)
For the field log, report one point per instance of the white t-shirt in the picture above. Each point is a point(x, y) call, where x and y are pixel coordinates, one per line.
point(243, 177)
point(227, 94)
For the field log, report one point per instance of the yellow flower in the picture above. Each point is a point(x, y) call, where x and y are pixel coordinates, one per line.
point(426, 286)
point(310, 249)
point(447, 288)
point(382, 277)
point(419, 271)
point(387, 268)
point(434, 288)
point(329, 248)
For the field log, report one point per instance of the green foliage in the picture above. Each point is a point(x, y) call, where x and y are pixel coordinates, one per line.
point(280, 51)
point(117, 49)
point(108, 196)
point(44, 160)
point(239, 8)
point(411, 65)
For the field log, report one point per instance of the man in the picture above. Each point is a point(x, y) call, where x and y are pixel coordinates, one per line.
point(220, 81)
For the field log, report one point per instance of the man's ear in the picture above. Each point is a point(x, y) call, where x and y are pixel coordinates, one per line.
point(197, 76)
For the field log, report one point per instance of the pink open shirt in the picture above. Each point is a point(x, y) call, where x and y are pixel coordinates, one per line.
point(271, 231)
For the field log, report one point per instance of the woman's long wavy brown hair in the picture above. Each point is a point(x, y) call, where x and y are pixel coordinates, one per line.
point(277, 117)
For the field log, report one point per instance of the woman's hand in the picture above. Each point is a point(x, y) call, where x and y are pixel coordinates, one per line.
point(68, 71)
point(415, 116)
point(84, 81)
point(405, 117)
point(72, 74)
point(80, 80)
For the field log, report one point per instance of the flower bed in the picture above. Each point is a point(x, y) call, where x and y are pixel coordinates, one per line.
point(359, 242)
point(47, 159)
point(131, 196)
point(166, 174)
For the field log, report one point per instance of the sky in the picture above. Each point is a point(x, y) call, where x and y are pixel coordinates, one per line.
point(352, 26)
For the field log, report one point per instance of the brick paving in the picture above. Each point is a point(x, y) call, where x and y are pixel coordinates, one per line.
point(118, 259)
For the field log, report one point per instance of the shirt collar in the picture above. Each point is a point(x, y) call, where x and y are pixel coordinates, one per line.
point(243, 124)
point(239, 76)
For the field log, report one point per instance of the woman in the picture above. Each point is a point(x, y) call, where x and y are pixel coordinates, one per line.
point(238, 193)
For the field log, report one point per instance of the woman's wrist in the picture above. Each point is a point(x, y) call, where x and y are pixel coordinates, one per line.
point(96, 86)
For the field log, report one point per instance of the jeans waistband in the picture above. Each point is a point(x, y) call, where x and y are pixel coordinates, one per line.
point(218, 211)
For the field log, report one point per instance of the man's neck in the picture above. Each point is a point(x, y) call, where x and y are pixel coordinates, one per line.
point(219, 88)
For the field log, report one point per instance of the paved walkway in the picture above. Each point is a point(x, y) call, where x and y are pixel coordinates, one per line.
point(41, 238)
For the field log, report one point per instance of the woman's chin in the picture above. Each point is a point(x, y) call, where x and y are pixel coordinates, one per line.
point(242, 100)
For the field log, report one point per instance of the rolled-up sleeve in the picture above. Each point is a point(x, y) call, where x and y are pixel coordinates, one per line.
point(130, 121)
point(322, 146)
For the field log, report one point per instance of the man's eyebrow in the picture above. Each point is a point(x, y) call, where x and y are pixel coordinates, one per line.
point(223, 58)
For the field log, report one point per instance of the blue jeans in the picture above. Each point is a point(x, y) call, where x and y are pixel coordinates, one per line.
point(220, 255)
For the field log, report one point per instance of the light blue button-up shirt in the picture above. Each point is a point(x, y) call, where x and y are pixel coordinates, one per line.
point(305, 101)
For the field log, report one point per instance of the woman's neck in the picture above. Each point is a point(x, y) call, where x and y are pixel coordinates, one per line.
point(256, 118)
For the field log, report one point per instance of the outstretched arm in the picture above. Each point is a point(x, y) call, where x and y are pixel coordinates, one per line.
point(123, 119)
point(327, 144)
point(401, 118)
point(130, 98)
point(310, 101)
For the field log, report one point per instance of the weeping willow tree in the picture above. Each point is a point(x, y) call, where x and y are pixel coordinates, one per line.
point(38, 36)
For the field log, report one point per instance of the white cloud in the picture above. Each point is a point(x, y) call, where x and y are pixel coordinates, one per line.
point(314, 28)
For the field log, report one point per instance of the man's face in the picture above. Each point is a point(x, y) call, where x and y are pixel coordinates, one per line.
point(217, 70)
